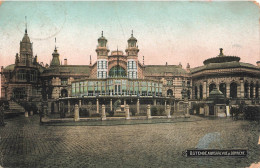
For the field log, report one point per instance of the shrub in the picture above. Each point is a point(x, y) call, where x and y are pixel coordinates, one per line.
point(154, 111)
point(161, 110)
point(83, 112)
point(133, 111)
point(111, 113)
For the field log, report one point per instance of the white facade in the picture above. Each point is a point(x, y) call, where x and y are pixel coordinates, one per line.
point(102, 68)
point(132, 69)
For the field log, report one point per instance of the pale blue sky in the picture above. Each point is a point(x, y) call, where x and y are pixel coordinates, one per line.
point(170, 32)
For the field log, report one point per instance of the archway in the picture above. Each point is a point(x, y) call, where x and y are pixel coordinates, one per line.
point(257, 90)
point(196, 92)
point(64, 93)
point(233, 90)
point(246, 89)
point(222, 88)
point(169, 92)
point(252, 90)
point(211, 87)
point(201, 91)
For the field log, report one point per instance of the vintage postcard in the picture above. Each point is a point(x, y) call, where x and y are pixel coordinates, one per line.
point(129, 84)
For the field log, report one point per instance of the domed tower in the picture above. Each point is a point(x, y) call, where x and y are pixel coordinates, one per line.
point(132, 57)
point(102, 57)
point(26, 51)
point(55, 57)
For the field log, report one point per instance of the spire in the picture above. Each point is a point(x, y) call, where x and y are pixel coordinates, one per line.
point(55, 44)
point(90, 63)
point(143, 60)
point(25, 24)
point(102, 34)
point(132, 35)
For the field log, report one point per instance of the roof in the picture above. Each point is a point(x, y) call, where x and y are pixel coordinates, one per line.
point(223, 65)
point(10, 67)
point(26, 38)
point(161, 69)
point(73, 69)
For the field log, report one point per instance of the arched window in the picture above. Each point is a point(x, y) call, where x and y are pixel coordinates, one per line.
point(196, 92)
point(117, 71)
point(233, 90)
point(246, 89)
point(169, 92)
point(251, 90)
point(201, 91)
point(257, 90)
point(211, 87)
point(64, 93)
point(222, 88)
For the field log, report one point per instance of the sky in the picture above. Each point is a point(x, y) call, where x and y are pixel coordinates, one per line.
point(172, 32)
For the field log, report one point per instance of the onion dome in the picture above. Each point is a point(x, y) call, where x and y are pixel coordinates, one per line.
point(132, 38)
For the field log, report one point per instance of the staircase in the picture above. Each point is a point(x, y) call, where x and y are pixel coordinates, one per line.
point(15, 107)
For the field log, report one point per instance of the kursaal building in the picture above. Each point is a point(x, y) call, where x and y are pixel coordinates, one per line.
point(118, 75)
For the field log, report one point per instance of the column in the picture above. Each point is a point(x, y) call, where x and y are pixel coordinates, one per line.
point(103, 113)
point(254, 91)
point(168, 111)
point(165, 105)
point(124, 104)
point(111, 105)
point(228, 90)
point(68, 106)
point(127, 114)
point(242, 89)
point(97, 106)
point(138, 106)
point(205, 89)
point(79, 103)
point(76, 113)
point(149, 112)
point(154, 102)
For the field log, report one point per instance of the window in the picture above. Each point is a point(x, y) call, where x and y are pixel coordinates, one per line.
point(117, 71)
point(169, 82)
point(21, 75)
point(64, 81)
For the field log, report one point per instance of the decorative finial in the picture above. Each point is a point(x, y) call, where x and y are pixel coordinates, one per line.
point(102, 33)
point(132, 33)
point(55, 44)
point(26, 24)
point(221, 51)
point(90, 60)
point(143, 60)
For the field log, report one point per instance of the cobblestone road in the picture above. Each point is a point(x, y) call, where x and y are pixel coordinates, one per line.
point(26, 143)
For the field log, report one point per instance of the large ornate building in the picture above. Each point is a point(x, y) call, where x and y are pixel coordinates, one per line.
point(117, 75)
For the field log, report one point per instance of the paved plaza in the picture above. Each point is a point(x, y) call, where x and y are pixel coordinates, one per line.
point(26, 143)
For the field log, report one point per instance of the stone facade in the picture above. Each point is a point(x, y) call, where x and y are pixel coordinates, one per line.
point(29, 80)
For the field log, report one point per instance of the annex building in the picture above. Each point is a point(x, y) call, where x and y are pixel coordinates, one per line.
point(120, 75)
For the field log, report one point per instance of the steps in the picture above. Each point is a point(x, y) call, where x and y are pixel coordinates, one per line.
point(15, 107)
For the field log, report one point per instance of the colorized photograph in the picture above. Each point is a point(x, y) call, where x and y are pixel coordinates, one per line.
point(156, 84)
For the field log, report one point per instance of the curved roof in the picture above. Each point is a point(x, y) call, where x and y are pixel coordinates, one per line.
point(10, 67)
point(223, 65)
point(132, 38)
point(161, 69)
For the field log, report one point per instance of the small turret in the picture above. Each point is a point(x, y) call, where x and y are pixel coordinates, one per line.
point(55, 57)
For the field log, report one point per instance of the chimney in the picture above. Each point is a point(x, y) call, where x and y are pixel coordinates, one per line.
point(65, 61)
point(180, 65)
